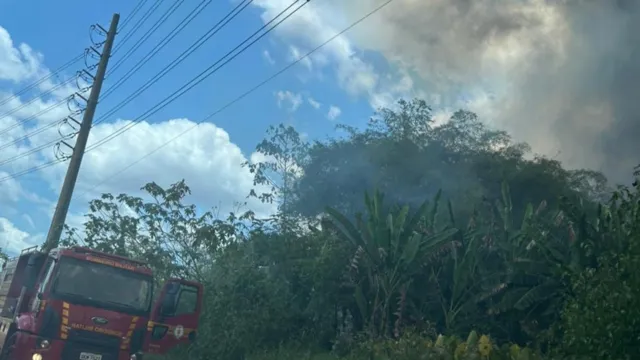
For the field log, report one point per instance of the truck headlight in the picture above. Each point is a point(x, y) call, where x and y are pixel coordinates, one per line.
point(36, 357)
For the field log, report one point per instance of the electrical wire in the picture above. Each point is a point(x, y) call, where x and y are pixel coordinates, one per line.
point(188, 85)
point(43, 79)
point(205, 74)
point(196, 45)
point(174, 6)
point(31, 134)
point(35, 116)
point(172, 34)
point(242, 96)
point(137, 26)
point(132, 15)
point(40, 130)
point(216, 27)
point(36, 98)
point(42, 146)
point(27, 153)
point(30, 170)
point(229, 104)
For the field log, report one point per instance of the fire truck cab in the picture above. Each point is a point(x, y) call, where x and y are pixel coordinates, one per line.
point(82, 304)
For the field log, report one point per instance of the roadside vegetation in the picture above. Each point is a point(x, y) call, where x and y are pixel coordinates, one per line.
point(402, 240)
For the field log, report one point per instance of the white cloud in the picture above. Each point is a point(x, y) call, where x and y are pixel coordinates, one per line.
point(19, 63)
point(17, 118)
point(315, 104)
point(13, 240)
point(334, 112)
point(206, 158)
point(256, 157)
point(29, 220)
point(535, 68)
point(292, 99)
point(10, 190)
point(440, 117)
point(295, 53)
point(312, 26)
point(267, 56)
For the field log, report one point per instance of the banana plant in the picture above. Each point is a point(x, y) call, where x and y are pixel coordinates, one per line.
point(394, 249)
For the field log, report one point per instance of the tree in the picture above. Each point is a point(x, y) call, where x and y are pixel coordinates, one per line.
point(276, 165)
point(171, 236)
point(404, 155)
point(602, 316)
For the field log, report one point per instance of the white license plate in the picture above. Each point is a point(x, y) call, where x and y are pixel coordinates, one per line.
point(90, 356)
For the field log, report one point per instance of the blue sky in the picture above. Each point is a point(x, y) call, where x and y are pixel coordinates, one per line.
point(313, 96)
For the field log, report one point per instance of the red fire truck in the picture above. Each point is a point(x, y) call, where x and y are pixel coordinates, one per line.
point(81, 304)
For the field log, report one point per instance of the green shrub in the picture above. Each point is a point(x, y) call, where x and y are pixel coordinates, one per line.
point(602, 317)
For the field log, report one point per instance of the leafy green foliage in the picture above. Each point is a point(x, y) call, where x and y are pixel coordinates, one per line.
point(393, 247)
point(603, 316)
point(459, 231)
point(171, 236)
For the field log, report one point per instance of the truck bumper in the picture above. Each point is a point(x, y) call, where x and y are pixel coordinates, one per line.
point(30, 348)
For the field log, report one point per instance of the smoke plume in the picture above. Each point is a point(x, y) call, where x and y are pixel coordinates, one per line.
point(562, 75)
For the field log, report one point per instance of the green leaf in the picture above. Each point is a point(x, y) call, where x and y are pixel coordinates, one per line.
point(536, 294)
point(361, 302)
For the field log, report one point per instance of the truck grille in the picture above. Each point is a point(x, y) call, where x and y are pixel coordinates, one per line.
point(80, 341)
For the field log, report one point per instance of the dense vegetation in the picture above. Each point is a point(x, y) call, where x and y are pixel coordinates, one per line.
point(476, 250)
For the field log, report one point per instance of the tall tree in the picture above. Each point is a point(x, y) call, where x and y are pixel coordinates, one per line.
point(276, 165)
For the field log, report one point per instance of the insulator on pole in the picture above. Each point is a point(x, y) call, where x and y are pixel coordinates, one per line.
point(86, 77)
point(96, 29)
point(89, 53)
point(72, 100)
point(66, 134)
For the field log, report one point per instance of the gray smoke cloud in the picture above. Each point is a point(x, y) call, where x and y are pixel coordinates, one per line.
point(563, 75)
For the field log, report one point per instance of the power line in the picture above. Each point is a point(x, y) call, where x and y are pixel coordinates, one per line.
point(133, 13)
point(35, 116)
point(30, 170)
point(196, 45)
point(242, 96)
point(138, 24)
point(43, 146)
point(27, 153)
point(43, 79)
point(172, 34)
point(52, 142)
point(31, 134)
point(206, 73)
point(174, 6)
point(36, 98)
point(189, 84)
point(229, 104)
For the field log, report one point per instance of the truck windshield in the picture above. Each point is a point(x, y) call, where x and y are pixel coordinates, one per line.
point(102, 285)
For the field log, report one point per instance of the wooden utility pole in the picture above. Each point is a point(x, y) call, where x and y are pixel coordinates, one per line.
point(60, 215)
